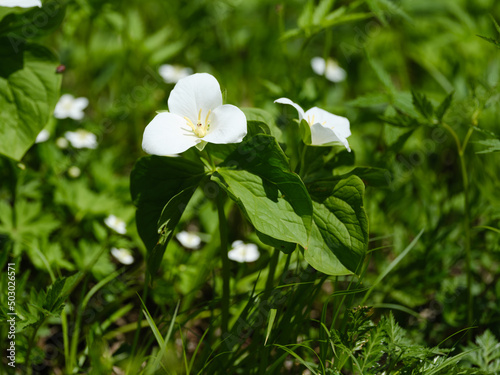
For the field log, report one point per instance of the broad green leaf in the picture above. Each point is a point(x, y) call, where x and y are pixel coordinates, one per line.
point(339, 236)
point(33, 22)
point(169, 219)
point(257, 177)
point(29, 89)
point(371, 176)
point(259, 116)
point(154, 181)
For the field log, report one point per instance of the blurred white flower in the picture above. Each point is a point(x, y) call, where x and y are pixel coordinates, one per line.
point(196, 117)
point(70, 107)
point(173, 73)
point(325, 126)
point(20, 3)
point(329, 68)
point(188, 239)
point(81, 139)
point(124, 256)
point(118, 225)
point(62, 142)
point(242, 252)
point(42, 136)
point(74, 171)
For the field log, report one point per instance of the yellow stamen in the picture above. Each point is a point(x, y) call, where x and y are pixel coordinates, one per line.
point(190, 123)
point(206, 118)
point(199, 117)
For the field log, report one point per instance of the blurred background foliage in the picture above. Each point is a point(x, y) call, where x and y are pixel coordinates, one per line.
point(260, 50)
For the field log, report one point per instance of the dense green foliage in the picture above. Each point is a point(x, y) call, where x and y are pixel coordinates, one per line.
point(382, 260)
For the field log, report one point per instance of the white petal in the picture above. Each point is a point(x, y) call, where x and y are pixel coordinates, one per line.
point(81, 103)
point(20, 3)
point(328, 127)
point(173, 73)
point(318, 65)
point(289, 102)
point(334, 72)
point(190, 94)
point(124, 256)
point(189, 240)
point(63, 106)
point(168, 134)
point(42, 136)
point(228, 124)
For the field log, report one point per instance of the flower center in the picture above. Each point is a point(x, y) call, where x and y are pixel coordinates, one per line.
point(310, 121)
point(201, 128)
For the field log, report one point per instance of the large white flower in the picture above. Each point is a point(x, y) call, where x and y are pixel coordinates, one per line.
point(70, 107)
point(242, 252)
point(118, 225)
point(325, 126)
point(81, 139)
point(329, 68)
point(174, 73)
point(20, 3)
point(188, 239)
point(124, 256)
point(196, 117)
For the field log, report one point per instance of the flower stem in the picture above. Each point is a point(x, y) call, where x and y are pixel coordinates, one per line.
point(467, 217)
point(272, 270)
point(225, 263)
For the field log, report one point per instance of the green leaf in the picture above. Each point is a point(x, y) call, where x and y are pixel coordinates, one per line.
point(272, 317)
point(33, 23)
point(422, 105)
point(305, 132)
point(443, 107)
point(261, 117)
point(169, 219)
point(29, 89)
point(371, 176)
point(493, 145)
point(257, 177)
point(491, 40)
point(339, 236)
point(154, 181)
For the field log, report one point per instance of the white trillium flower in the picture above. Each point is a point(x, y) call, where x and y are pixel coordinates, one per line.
point(196, 117)
point(81, 139)
point(242, 252)
point(325, 126)
point(20, 3)
point(174, 73)
point(189, 239)
point(124, 256)
point(42, 136)
point(118, 225)
point(70, 107)
point(329, 68)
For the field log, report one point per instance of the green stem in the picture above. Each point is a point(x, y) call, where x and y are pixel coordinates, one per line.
point(467, 224)
point(272, 270)
point(225, 263)
point(467, 217)
point(30, 346)
point(302, 160)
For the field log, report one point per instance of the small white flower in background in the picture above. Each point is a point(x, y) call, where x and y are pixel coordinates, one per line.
point(325, 126)
point(62, 142)
point(70, 107)
point(20, 3)
point(81, 139)
point(189, 239)
point(196, 117)
point(173, 73)
point(124, 256)
point(42, 136)
point(74, 171)
point(118, 225)
point(329, 68)
point(242, 252)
